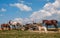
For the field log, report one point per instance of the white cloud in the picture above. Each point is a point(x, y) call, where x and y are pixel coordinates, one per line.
point(2, 10)
point(27, 20)
point(40, 14)
point(22, 7)
point(19, 20)
point(56, 3)
point(49, 11)
point(22, 21)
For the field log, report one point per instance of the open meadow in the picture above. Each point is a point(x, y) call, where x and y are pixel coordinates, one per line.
point(28, 34)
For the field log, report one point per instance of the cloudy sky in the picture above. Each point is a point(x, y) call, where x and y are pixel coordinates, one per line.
point(29, 10)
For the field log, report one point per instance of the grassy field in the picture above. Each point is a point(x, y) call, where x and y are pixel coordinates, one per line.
point(27, 34)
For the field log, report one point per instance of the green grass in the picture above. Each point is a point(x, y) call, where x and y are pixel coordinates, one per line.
point(27, 34)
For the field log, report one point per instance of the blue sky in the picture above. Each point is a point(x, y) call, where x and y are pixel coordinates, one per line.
point(10, 10)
